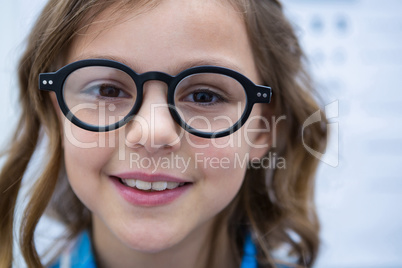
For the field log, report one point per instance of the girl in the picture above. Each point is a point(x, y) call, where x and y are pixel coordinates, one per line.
point(157, 115)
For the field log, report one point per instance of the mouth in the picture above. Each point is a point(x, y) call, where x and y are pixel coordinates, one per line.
point(146, 186)
point(148, 190)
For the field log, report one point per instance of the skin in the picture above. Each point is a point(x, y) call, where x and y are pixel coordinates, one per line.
point(169, 38)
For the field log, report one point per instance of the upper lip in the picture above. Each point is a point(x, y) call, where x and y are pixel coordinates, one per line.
point(149, 177)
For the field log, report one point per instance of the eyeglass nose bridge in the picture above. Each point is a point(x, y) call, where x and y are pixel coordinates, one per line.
point(154, 76)
point(140, 80)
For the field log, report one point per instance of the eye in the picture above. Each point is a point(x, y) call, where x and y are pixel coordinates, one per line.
point(107, 91)
point(110, 91)
point(204, 97)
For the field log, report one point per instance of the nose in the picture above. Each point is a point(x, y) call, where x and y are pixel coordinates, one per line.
point(153, 127)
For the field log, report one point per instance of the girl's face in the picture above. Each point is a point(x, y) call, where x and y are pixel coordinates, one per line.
point(170, 37)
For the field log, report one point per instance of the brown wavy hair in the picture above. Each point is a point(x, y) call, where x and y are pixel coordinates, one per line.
point(275, 206)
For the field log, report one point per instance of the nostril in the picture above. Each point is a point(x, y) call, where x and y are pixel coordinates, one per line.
point(153, 128)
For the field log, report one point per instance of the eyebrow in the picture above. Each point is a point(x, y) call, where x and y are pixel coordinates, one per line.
point(105, 57)
point(176, 69)
point(212, 62)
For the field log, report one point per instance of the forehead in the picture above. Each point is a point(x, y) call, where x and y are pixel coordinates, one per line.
point(156, 33)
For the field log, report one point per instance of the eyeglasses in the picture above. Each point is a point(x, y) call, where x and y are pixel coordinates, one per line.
point(102, 95)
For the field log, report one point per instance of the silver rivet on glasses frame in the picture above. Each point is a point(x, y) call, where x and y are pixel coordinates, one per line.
point(265, 95)
point(44, 82)
point(50, 82)
point(259, 94)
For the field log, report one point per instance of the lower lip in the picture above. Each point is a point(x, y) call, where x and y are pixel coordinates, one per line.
point(149, 199)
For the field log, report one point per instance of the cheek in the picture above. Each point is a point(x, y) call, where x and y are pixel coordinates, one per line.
point(223, 154)
point(224, 161)
point(223, 165)
point(84, 162)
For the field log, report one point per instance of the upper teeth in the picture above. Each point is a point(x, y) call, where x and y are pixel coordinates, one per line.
point(157, 186)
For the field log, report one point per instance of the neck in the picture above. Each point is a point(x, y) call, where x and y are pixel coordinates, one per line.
point(204, 247)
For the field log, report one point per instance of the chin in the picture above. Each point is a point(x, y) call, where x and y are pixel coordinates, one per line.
point(148, 240)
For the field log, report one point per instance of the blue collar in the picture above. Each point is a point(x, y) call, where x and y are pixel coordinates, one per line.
point(250, 253)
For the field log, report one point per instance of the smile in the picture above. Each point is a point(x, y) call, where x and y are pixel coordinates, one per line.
point(151, 186)
point(148, 190)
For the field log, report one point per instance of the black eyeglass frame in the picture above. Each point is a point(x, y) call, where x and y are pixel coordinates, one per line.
point(54, 81)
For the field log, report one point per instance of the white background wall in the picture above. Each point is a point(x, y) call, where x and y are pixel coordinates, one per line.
point(356, 57)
